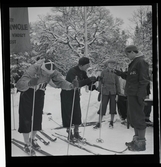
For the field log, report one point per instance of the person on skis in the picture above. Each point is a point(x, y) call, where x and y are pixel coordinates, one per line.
point(36, 77)
point(67, 97)
point(109, 88)
point(137, 79)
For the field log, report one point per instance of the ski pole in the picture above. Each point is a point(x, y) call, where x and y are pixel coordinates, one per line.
point(13, 112)
point(32, 117)
point(99, 140)
point(87, 110)
point(71, 118)
point(51, 119)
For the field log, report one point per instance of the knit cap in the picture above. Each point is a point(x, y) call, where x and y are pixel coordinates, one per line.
point(48, 66)
point(131, 48)
point(83, 61)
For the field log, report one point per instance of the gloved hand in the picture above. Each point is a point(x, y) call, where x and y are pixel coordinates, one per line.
point(117, 72)
point(92, 87)
point(33, 82)
point(99, 78)
point(12, 85)
point(99, 97)
point(93, 79)
point(75, 83)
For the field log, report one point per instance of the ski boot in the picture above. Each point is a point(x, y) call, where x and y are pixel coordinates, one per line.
point(97, 126)
point(111, 124)
point(34, 144)
point(29, 150)
point(138, 145)
point(130, 144)
point(71, 137)
point(78, 137)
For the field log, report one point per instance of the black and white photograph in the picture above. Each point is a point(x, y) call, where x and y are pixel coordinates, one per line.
point(83, 82)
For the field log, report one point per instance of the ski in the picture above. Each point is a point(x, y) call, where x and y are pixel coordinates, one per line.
point(47, 136)
point(38, 150)
point(89, 124)
point(94, 145)
point(73, 144)
point(21, 147)
point(81, 125)
point(42, 140)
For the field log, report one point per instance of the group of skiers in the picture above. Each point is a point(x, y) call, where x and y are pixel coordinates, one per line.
point(32, 86)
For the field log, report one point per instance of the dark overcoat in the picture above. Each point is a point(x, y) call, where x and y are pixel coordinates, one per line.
point(67, 97)
point(137, 79)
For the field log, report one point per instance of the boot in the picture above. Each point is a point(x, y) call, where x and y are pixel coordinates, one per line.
point(70, 136)
point(97, 126)
point(29, 150)
point(34, 144)
point(139, 145)
point(129, 144)
point(77, 136)
point(111, 124)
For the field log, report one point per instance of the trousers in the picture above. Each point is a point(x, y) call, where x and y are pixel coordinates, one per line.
point(104, 103)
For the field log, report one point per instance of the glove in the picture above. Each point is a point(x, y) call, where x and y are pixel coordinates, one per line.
point(99, 97)
point(117, 72)
point(33, 82)
point(75, 83)
point(99, 78)
point(93, 79)
point(92, 88)
point(12, 85)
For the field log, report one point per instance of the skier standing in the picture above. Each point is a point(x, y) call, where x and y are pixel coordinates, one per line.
point(36, 77)
point(110, 89)
point(67, 97)
point(137, 79)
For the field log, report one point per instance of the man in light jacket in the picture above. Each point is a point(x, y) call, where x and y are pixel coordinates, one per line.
point(33, 82)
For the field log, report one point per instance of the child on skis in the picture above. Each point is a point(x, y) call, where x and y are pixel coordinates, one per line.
point(109, 88)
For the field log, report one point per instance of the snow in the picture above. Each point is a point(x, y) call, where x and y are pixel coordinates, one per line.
point(114, 139)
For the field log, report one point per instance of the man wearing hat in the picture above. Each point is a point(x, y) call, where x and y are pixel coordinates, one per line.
point(78, 71)
point(36, 78)
point(137, 79)
point(109, 88)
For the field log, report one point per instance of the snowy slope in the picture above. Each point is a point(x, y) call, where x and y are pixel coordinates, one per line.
point(114, 139)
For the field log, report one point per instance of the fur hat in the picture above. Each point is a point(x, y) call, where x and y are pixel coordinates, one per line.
point(48, 66)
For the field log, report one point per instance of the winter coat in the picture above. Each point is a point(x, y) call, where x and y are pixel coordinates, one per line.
point(67, 97)
point(35, 71)
point(110, 83)
point(137, 78)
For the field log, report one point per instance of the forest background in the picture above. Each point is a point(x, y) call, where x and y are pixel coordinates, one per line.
point(60, 36)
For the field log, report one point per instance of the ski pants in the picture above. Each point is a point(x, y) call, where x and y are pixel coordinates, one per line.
point(25, 110)
point(105, 100)
point(135, 113)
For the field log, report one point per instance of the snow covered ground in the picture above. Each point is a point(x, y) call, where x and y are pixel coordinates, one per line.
point(114, 139)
